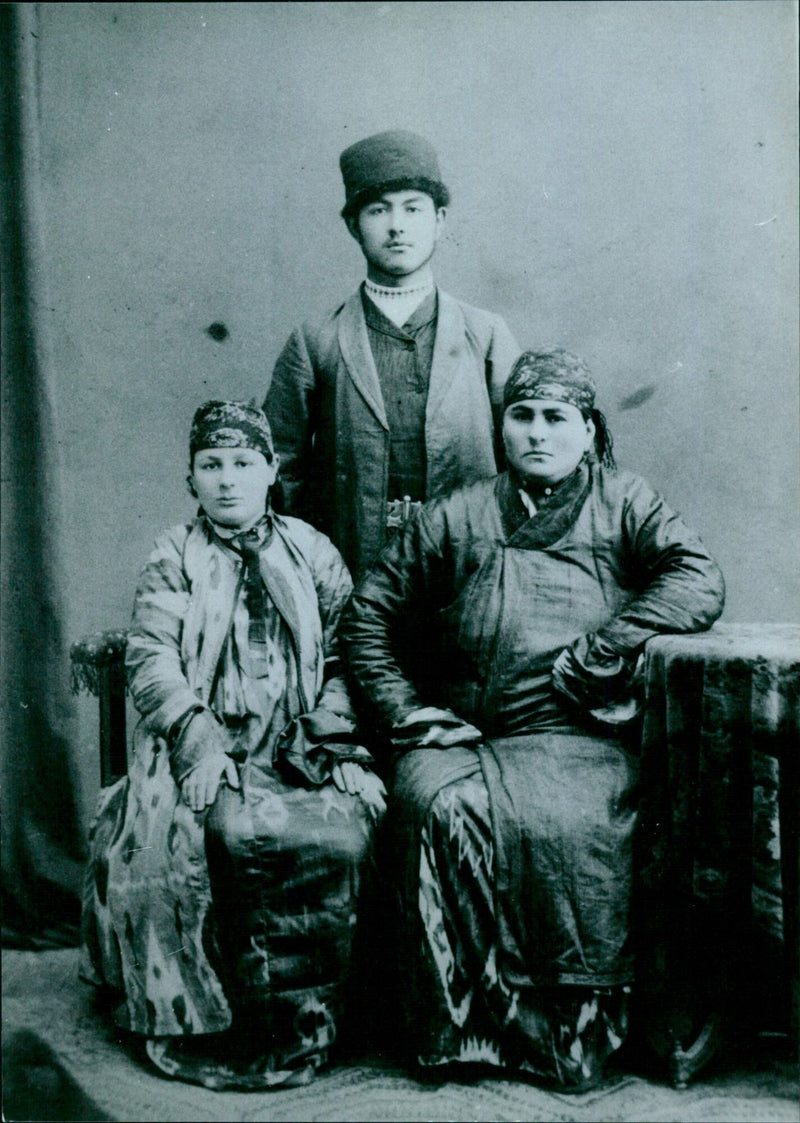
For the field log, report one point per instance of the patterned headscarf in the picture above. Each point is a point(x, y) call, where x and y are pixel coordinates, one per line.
point(557, 375)
point(560, 376)
point(221, 424)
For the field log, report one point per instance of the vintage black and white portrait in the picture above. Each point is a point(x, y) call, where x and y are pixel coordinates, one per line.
point(401, 612)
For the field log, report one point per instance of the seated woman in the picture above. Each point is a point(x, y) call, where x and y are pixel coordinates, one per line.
point(496, 640)
point(224, 870)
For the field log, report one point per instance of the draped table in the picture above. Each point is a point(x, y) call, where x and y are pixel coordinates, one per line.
point(717, 904)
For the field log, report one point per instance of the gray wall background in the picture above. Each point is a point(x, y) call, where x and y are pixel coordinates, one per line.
point(624, 185)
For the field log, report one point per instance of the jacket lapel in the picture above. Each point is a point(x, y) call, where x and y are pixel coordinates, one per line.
point(357, 355)
point(448, 350)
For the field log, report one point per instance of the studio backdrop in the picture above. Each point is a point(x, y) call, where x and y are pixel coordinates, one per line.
point(623, 180)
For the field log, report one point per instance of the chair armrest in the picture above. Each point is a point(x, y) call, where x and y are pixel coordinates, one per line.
point(93, 652)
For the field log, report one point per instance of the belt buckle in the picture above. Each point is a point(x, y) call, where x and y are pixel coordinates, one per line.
point(394, 514)
point(398, 511)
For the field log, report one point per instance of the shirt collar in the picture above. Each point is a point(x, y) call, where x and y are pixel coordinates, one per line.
point(419, 318)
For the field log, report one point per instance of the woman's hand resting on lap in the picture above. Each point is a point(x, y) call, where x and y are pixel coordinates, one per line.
point(199, 788)
point(350, 777)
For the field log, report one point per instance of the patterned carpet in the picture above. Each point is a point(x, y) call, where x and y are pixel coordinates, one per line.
point(61, 1061)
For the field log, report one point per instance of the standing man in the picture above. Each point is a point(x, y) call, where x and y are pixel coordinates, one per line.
point(394, 398)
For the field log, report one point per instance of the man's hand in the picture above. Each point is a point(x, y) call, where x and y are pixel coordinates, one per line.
point(199, 788)
point(350, 777)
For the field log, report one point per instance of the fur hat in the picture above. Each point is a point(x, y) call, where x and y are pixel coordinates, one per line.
point(391, 161)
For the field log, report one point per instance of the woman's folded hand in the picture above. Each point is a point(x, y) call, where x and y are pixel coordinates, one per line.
point(352, 778)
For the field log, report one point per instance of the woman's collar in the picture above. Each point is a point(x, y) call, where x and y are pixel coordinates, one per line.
point(262, 527)
point(542, 493)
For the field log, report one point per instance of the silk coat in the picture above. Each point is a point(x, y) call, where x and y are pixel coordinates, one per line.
point(471, 606)
point(467, 611)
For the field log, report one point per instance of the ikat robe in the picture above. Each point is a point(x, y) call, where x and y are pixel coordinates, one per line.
point(270, 945)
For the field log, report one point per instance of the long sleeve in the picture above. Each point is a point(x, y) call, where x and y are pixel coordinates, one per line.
point(681, 587)
point(315, 741)
point(334, 586)
point(385, 617)
point(158, 684)
point(290, 405)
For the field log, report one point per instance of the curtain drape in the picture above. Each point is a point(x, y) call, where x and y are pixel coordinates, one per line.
point(42, 844)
